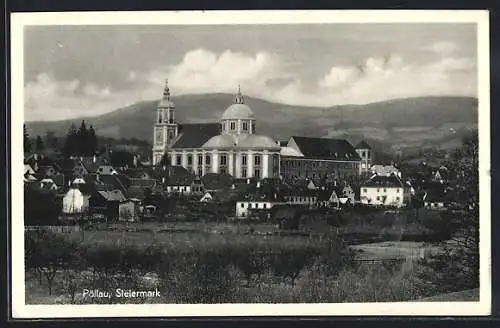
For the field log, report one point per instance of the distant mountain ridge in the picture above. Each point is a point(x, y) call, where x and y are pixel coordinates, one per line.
point(386, 121)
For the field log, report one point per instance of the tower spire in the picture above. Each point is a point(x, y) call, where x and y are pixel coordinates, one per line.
point(166, 91)
point(239, 97)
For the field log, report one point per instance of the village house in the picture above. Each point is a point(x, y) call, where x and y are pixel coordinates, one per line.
point(315, 158)
point(385, 170)
point(76, 199)
point(385, 191)
point(258, 201)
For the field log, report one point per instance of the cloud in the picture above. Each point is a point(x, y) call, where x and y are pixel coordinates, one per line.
point(203, 71)
point(47, 98)
point(443, 47)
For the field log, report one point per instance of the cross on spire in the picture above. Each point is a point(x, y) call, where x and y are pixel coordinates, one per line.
point(239, 97)
point(166, 91)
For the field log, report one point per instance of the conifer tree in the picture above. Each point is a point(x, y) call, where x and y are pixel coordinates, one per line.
point(39, 144)
point(70, 144)
point(26, 140)
point(92, 140)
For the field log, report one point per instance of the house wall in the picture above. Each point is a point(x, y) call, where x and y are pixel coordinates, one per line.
point(315, 169)
point(127, 211)
point(179, 189)
point(388, 196)
point(74, 202)
point(301, 200)
point(242, 207)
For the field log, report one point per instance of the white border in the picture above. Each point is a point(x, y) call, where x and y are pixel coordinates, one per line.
point(20, 20)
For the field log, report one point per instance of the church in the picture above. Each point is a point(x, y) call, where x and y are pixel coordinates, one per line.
point(231, 146)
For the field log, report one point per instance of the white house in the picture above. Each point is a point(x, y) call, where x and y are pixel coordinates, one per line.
point(385, 170)
point(258, 199)
point(385, 191)
point(74, 201)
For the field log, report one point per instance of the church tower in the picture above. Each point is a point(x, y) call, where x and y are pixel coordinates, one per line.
point(165, 128)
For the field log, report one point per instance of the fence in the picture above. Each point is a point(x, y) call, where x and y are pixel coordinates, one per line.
point(60, 229)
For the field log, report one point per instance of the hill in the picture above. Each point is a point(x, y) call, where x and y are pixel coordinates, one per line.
point(411, 122)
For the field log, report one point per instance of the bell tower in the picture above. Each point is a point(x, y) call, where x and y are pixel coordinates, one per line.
point(165, 128)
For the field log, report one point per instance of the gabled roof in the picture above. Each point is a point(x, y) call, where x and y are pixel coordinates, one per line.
point(178, 176)
point(384, 182)
point(435, 195)
point(136, 192)
point(112, 195)
point(196, 134)
point(137, 173)
point(111, 181)
point(143, 183)
point(217, 181)
point(326, 148)
point(363, 145)
point(65, 164)
point(262, 193)
point(58, 180)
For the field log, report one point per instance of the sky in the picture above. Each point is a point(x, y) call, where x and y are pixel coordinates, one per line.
point(76, 71)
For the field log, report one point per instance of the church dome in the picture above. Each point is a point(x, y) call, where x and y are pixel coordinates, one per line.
point(220, 141)
point(258, 141)
point(238, 110)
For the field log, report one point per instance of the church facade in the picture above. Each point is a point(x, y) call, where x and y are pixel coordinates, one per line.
point(230, 146)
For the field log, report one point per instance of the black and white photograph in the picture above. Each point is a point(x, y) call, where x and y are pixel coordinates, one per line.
point(250, 163)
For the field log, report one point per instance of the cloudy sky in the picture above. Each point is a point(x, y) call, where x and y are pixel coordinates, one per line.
point(77, 71)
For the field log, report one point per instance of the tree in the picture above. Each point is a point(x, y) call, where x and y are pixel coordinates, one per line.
point(83, 140)
point(457, 266)
point(39, 144)
point(51, 140)
point(92, 140)
point(26, 140)
point(71, 142)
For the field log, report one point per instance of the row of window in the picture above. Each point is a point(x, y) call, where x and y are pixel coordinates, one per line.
point(255, 205)
point(222, 160)
point(380, 198)
point(244, 126)
point(161, 117)
point(378, 190)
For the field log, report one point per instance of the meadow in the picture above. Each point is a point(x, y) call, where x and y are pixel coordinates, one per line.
point(209, 263)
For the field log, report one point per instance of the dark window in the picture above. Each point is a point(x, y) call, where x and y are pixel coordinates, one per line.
point(257, 173)
point(253, 127)
point(233, 126)
point(257, 159)
point(207, 159)
point(190, 159)
point(179, 160)
point(200, 159)
point(385, 190)
point(244, 159)
point(242, 205)
point(245, 126)
point(244, 172)
point(223, 160)
point(264, 205)
point(200, 171)
point(365, 190)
